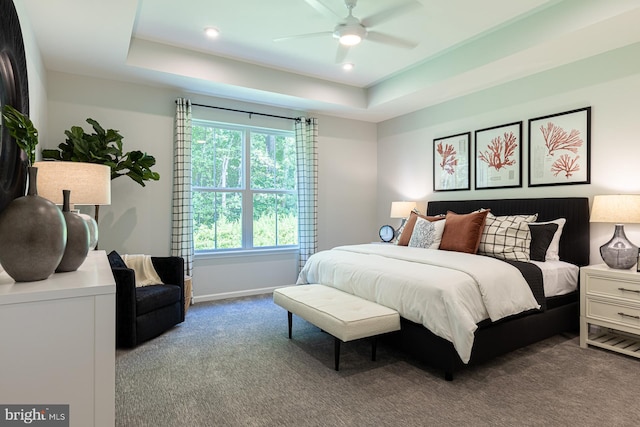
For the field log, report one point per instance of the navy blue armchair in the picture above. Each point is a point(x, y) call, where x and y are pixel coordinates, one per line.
point(145, 312)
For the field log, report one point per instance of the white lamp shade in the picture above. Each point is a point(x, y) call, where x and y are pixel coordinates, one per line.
point(401, 209)
point(90, 183)
point(616, 208)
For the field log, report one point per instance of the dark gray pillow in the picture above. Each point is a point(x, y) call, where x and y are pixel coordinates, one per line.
point(541, 236)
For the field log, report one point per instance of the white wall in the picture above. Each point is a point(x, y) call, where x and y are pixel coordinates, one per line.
point(139, 218)
point(609, 83)
point(347, 168)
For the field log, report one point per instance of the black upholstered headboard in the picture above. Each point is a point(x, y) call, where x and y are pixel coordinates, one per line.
point(574, 243)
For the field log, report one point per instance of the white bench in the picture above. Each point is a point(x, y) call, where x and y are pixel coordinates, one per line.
point(346, 317)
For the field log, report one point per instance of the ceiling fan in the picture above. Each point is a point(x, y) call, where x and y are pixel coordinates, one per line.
point(350, 30)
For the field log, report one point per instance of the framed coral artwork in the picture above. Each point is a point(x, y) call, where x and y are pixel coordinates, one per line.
point(451, 158)
point(559, 148)
point(499, 156)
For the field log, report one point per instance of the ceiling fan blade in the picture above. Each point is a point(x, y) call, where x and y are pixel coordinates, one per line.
point(374, 36)
point(321, 7)
point(341, 53)
point(391, 13)
point(304, 36)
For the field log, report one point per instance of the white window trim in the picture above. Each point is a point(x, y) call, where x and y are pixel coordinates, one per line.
point(247, 193)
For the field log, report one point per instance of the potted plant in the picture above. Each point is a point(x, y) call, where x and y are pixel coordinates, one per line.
point(104, 147)
point(22, 131)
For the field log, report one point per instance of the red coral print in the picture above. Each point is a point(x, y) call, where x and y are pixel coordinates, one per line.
point(565, 164)
point(449, 160)
point(499, 152)
point(557, 138)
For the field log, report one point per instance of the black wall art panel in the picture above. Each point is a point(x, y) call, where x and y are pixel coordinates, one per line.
point(14, 91)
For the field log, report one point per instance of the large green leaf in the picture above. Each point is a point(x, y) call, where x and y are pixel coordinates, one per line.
point(104, 147)
point(22, 130)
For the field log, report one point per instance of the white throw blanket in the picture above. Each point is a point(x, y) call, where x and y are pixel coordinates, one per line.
point(447, 292)
point(143, 268)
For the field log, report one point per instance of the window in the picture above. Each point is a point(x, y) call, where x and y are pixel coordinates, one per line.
point(244, 187)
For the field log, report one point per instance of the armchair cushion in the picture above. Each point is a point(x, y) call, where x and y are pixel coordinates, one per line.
point(149, 298)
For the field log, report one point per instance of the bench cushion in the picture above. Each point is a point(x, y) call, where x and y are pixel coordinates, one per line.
point(345, 316)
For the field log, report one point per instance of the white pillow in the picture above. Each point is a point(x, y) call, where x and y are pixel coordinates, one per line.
point(427, 234)
point(554, 247)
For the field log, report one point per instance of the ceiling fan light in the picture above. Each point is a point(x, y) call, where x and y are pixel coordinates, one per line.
point(350, 39)
point(348, 66)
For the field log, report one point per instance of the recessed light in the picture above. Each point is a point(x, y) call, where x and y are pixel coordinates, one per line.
point(348, 66)
point(212, 32)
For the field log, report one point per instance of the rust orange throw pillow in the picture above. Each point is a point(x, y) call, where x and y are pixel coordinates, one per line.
point(404, 238)
point(462, 233)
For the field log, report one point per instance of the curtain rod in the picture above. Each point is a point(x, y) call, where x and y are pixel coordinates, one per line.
point(250, 113)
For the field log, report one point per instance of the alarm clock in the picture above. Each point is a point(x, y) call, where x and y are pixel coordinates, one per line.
point(387, 233)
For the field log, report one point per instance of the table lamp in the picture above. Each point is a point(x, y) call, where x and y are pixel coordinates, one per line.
point(401, 210)
point(618, 252)
point(90, 184)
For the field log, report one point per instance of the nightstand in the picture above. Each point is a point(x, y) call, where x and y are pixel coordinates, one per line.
point(610, 309)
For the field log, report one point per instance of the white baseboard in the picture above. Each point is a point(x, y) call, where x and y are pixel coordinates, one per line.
point(227, 295)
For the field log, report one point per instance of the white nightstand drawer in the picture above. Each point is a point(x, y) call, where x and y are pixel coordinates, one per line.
point(621, 314)
point(608, 287)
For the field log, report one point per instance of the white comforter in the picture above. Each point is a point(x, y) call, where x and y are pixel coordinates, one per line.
point(447, 292)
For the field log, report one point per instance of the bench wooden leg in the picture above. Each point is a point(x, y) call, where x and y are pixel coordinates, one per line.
point(290, 318)
point(337, 353)
point(374, 347)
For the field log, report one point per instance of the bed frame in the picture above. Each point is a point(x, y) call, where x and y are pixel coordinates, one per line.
point(496, 338)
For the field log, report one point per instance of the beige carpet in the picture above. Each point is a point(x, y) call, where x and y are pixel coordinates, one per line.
point(231, 364)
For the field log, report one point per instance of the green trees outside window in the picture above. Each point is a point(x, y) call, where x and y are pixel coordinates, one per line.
point(244, 187)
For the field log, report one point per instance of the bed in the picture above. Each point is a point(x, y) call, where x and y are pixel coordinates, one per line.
point(495, 330)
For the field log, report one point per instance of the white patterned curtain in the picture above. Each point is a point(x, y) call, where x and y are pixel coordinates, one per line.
point(182, 220)
point(307, 165)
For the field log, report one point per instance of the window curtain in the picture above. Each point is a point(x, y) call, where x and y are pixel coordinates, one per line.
point(182, 216)
point(307, 165)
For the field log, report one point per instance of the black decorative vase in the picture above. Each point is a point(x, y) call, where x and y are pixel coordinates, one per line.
point(77, 238)
point(33, 235)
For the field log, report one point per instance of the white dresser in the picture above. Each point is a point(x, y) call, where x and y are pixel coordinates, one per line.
point(610, 309)
point(57, 342)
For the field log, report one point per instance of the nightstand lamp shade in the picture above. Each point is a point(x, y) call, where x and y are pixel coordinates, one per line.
point(618, 252)
point(401, 210)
